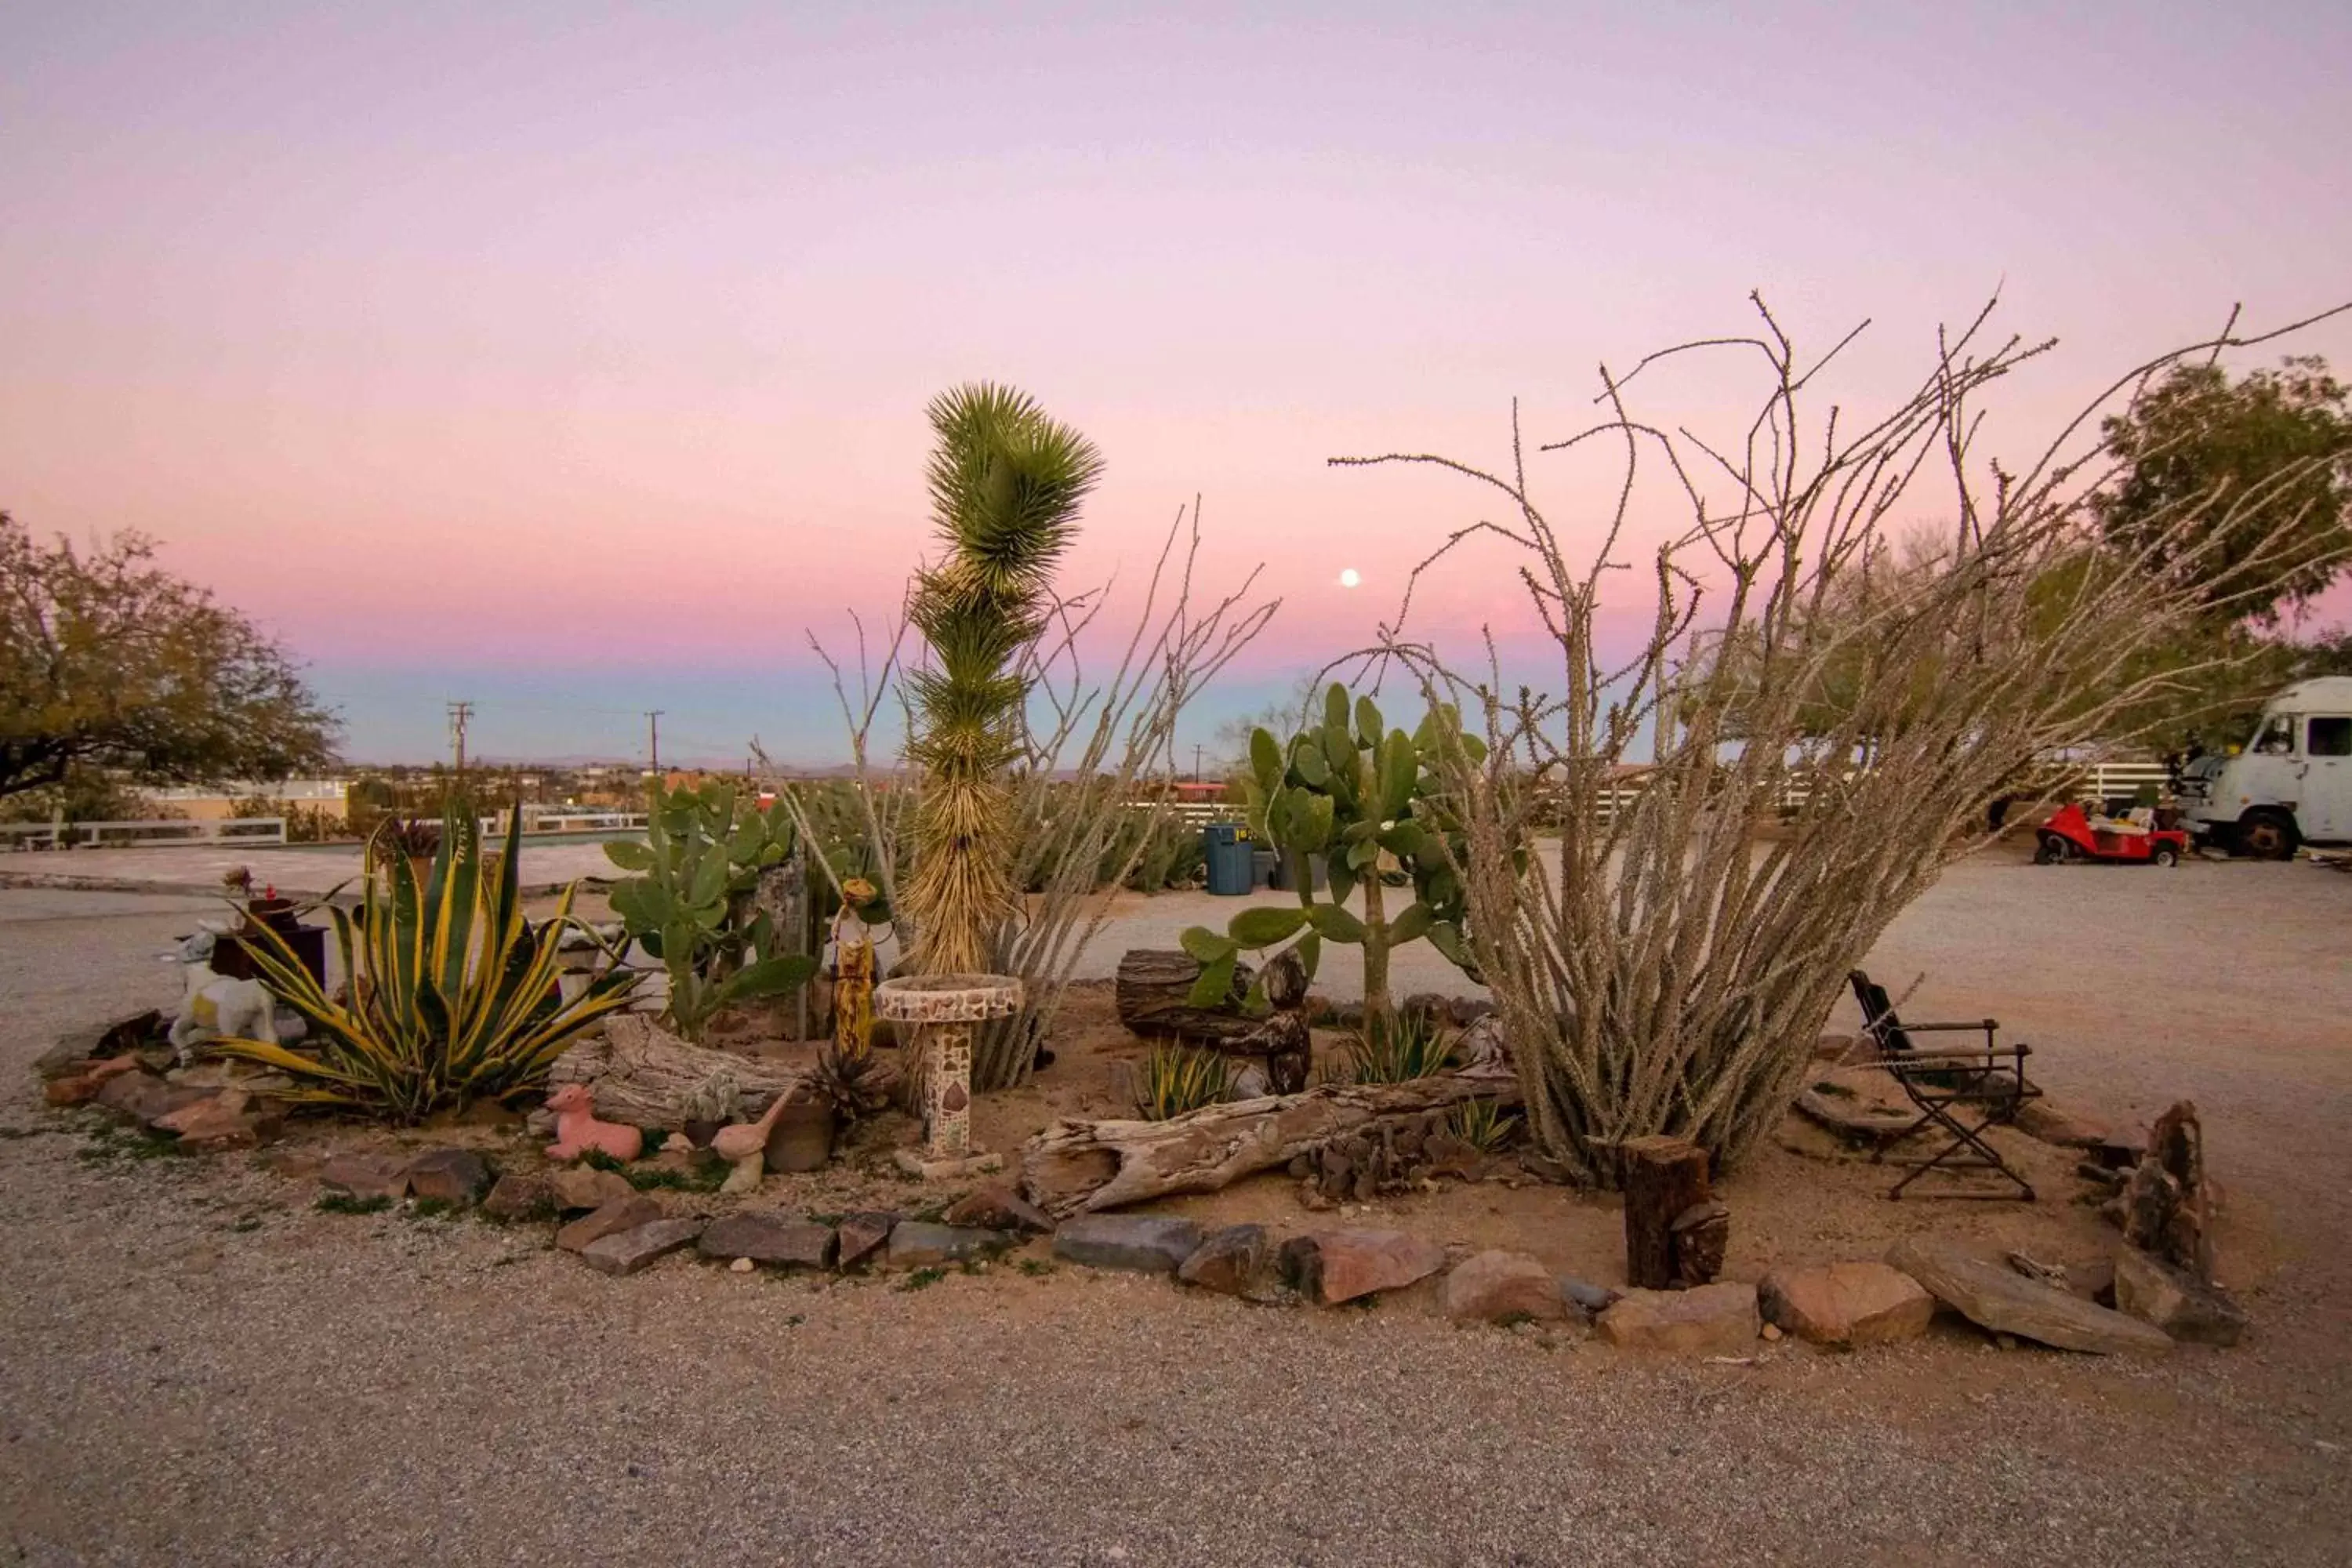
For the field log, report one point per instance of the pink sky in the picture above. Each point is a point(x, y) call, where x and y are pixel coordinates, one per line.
point(574, 358)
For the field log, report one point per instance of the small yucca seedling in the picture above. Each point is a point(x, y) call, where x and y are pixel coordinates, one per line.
point(1481, 1124)
point(1177, 1078)
point(1398, 1048)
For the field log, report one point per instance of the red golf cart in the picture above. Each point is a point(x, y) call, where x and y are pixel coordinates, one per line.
point(2072, 834)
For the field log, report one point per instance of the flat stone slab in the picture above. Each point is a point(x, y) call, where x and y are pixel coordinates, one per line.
point(2173, 1299)
point(861, 1235)
point(994, 1205)
point(366, 1176)
point(586, 1187)
point(1335, 1266)
point(1240, 1260)
point(919, 1244)
point(620, 1215)
point(1994, 1295)
point(627, 1251)
point(450, 1176)
point(777, 1240)
point(1713, 1320)
point(1847, 1303)
point(1146, 1244)
point(1498, 1287)
point(520, 1195)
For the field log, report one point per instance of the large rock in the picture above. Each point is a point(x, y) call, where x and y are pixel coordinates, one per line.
point(1500, 1288)
point(919, 1243)
point(143, 1097)
point(366, 1176)
point(620, 1215)
point(627, 1251)
point(230, 1119)
point(781, 1241)
point(1847, 1303)
point(457, 1176)
point(1239, 1260)
point(1994, 1295)
point(1335, 1266)
point(1713, 1320)
point(1148, 1244)
point(1584, 1294)
point(2175, 1300)
point(996, 1205)
point(2168, 1203)
point(860, 1235)
point(586, 1187)
point(520, 1196)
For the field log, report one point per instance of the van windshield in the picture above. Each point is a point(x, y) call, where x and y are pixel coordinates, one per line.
point(2277, 737)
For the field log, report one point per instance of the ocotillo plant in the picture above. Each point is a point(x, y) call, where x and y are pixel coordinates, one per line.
point(1345, 791)
point(1005, 483)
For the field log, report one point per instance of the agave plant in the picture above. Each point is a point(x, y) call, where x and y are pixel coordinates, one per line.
point(1397, 1047)
point(1005, 482)
point(1481, 1124)
point(1177, 1078)
point(453, 996)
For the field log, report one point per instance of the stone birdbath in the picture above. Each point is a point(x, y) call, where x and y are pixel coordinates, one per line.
point(943, 1009)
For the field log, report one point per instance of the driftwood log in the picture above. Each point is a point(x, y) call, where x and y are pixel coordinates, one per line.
point(1154, 995)
point(1089, 1165)
point(643, 1075)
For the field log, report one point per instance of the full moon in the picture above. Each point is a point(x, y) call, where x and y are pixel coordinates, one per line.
point(1350, 577)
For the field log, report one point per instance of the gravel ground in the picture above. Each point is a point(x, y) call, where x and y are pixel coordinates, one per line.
point(196, 1367)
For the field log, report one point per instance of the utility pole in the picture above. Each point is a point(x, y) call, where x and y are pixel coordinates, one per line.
point(1196, 762)
point(652, 738)
point(459, 712)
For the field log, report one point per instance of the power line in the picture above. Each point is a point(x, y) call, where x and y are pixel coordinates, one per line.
point(459, 712)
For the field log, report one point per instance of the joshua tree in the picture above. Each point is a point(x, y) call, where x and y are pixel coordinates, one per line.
point(1006, 482)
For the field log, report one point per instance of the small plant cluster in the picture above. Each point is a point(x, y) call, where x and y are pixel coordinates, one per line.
point(1177, 1078)
point(1397, 1048)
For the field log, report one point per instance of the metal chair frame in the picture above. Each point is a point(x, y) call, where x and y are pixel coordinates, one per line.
point(1940, 1083)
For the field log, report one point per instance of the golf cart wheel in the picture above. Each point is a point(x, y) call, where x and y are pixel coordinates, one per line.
point(2166, 855)
point(2267, 834)
point(2049, 849)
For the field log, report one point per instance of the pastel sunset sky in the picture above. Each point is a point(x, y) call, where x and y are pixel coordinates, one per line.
point(571, 358)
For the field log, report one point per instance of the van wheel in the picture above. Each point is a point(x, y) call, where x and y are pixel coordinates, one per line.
point(2267, 834)
point(2166, 855)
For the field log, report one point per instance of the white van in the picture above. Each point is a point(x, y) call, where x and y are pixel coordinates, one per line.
point(2291, 785)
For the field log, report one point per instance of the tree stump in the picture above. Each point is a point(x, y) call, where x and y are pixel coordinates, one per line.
point(646, 1076)
point(1154, 995)
point(1664, 1178)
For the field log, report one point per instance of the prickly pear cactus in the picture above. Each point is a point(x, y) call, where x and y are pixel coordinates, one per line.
point(1355, 800)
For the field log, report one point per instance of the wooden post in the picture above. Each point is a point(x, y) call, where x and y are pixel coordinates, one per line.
point(1664, 1177)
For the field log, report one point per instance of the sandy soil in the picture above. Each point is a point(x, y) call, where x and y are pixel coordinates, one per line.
point(198, 1367)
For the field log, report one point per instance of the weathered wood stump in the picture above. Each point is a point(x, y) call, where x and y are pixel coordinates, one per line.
point(1664, 1178)
point(1074, 1165)
point(1154, 996)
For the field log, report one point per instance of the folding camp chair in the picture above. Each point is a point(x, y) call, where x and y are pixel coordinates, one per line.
point(1950, 1086)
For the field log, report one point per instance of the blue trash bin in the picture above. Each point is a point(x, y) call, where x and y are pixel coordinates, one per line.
point(1227, 847)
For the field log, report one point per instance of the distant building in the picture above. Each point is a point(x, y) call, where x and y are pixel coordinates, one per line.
point(216, 803)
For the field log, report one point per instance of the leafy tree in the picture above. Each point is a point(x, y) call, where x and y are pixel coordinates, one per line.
point(107, 661)
point(2271, 451)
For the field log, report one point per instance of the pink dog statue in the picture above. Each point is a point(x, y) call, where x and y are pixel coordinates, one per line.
point(577, 1130)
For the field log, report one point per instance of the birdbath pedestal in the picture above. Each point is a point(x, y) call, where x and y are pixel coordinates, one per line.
point(943, 1009)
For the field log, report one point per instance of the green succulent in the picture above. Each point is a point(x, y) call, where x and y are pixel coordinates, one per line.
point(693, 903)
point(1355, 797)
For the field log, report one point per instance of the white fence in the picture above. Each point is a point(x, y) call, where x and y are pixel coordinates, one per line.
point(141, 834)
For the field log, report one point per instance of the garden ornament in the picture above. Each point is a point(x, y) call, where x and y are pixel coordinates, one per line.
point(214, 1006)
point(745, 1147)
point(577, 1130)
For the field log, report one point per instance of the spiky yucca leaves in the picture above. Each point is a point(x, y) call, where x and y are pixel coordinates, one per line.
point(1006, 482)
point(454, 996)
point(1177, 1078)
point(1481, 1124)
point(1397, 1047)
point(856, 1085)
